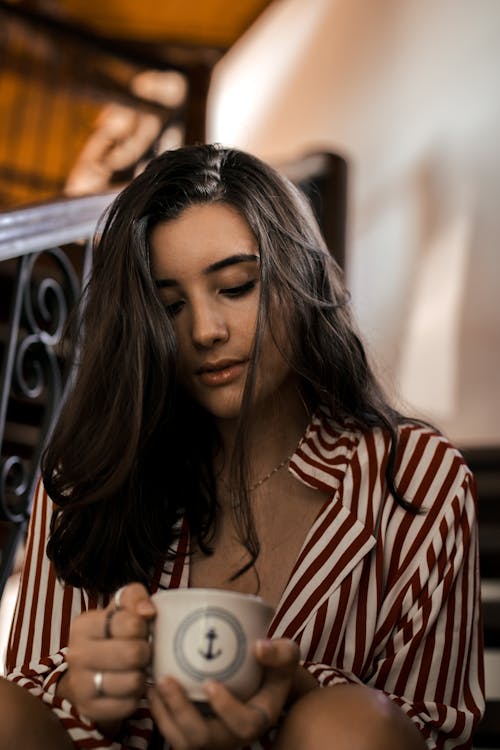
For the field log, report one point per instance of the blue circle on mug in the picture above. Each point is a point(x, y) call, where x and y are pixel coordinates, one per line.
point(210, 643)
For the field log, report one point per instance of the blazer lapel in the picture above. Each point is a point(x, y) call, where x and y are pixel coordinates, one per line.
point(335, 544)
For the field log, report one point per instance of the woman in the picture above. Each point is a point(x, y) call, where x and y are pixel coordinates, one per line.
point(225, 430)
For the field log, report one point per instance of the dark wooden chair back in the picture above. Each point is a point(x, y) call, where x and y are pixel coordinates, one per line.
point(485, 463)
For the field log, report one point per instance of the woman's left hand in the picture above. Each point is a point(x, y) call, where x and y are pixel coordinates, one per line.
point(235, 723)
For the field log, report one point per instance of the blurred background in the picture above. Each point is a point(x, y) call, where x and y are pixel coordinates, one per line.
point(403, 95)
point(406, 92)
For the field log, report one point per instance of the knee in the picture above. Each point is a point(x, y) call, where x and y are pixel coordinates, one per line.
point(349, 717)
point(26, 722)
point(12, 713)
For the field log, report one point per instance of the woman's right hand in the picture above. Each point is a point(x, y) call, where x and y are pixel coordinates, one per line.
point(121, 658)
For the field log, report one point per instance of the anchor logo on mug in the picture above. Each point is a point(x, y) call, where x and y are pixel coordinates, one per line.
point(210, 653)
point(209, 628)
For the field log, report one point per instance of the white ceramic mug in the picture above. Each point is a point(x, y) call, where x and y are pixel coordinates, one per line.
point(201, 634)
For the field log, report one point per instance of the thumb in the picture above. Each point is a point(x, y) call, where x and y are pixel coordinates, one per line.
point(135, 598)
point(281, 654)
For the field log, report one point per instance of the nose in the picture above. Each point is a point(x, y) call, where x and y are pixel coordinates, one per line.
point(208, 325)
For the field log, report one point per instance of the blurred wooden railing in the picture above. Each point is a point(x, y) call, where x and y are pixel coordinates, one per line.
point(56, 79)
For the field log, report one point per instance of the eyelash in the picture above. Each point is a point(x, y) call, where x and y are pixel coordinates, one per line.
point(231, 292)
point(239, 291)
point(174, 309)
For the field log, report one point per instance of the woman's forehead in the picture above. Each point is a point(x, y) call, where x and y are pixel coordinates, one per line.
point(202, 235)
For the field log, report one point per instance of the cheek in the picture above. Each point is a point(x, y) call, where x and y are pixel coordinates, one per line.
point(243, 321)
point(182, 352)
point(182, 361)
point(275, 357)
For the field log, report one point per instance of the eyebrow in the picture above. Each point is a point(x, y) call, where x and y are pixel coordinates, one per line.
point(232, 260)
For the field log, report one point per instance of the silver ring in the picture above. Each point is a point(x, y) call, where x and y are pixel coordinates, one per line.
point(117, 597)
point(98, 679)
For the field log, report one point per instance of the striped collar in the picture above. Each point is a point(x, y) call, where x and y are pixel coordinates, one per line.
point(325, 451)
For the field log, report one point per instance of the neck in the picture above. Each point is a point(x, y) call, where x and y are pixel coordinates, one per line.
point(273, 433)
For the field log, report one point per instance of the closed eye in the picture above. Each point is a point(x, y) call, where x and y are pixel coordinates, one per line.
point(239, 291)
point(174, 308)
point(233, 292)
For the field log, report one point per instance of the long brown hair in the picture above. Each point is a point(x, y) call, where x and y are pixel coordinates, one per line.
point(131, 454)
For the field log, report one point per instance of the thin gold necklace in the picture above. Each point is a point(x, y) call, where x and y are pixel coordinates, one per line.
point(268, 476)
point(261, 481)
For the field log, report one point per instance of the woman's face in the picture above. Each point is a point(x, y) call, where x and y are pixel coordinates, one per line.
point(206, 265)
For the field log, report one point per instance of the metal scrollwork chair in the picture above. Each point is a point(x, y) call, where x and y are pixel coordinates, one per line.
point(44, 259)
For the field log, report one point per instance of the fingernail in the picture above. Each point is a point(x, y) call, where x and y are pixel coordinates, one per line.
point(145, 607)
point(265, 645)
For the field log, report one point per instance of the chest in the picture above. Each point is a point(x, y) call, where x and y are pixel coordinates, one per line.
point(283, 521)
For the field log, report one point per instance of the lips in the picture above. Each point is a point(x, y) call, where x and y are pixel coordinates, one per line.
point(221, 372)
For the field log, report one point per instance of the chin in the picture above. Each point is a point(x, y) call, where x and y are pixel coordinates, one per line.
point(228, 412)
point(221, 405)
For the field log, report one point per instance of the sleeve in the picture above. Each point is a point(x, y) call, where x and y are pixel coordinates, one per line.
point(39, 635)
point(432, 664)
point(419, 639)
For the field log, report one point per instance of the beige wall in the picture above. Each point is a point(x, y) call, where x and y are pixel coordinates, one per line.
point(409, 91)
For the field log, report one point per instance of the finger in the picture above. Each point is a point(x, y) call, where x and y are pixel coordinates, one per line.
point(108, 709)
point(165, 720)
point(280, 659)
point(135, 598)
point(88, 626)
point(188, 721)
point(130, 684)
point(244, 721)
point(109, 655)
point(281, 654)
point(99, 706)
point(124, 625)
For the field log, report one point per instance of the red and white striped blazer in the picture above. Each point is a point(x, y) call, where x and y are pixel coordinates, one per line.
point(377, 595)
